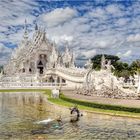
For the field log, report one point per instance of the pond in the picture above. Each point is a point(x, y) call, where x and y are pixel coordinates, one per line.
point(19, 113)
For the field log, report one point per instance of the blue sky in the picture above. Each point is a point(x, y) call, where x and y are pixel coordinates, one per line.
point(88, 27)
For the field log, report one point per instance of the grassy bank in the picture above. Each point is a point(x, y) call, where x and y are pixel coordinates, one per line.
point(85, 105)
point(101, 106)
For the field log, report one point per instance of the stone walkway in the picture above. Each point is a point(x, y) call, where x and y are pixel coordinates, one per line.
point(123, 102)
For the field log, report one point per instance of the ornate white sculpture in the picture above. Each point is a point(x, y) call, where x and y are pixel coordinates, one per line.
point(103, 62)
point(108, 66)
point(89, 64)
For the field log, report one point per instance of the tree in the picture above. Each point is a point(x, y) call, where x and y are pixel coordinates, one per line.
point(135, 69)
point(97, 60)
point(135, 65)
point(122, 69)
point(1, 67)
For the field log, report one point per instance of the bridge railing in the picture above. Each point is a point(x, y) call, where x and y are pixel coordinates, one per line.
point(30, 84)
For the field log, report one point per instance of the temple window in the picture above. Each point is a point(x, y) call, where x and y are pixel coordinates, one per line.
point(30, 70)
point(63, 81)
point(51, 79)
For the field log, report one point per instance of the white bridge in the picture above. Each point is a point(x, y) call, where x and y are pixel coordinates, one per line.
point(60, 78)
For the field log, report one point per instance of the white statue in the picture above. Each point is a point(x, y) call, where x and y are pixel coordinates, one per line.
point(55, 93)
point(103, 62)
point(109, 66)
point(89, 64)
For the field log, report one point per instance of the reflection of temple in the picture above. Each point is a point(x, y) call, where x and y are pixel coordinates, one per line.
point(37, 62)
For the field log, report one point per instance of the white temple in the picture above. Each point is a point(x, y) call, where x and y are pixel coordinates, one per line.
point(37, 63)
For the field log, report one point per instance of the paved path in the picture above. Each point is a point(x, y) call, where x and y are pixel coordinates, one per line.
point(123, 102)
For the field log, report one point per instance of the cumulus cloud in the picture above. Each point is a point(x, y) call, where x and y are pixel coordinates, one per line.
point(88, 28)
point(133, 38)
point(4, 54)
point(62, 39)
point(126, 54)
point(104, 29)
point(14, 12)
point(114, 9)
point(58, 16)
point(89, 53)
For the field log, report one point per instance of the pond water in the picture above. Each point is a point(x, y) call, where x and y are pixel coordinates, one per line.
point(19, 113)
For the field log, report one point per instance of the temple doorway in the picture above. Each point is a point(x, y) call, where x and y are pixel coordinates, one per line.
point(40, 70)
point(41, 63)
point(40, 67)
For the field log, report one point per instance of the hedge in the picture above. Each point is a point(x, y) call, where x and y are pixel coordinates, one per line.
point(100, 106)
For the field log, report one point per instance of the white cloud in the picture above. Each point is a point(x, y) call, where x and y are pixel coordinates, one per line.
point(122, 21)
point(133, 38)
point(103, 29)
point(5, 53)
point(58, 16)
point(14, 12)
point(4, 49)
point(62, 39)
point(98, 12)
point(126, 54)
point(113, 9)
point(89, 53)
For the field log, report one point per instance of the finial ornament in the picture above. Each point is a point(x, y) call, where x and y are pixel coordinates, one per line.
point(103, 62)
point(36, 26)
point(25, 30)
point(25, 25)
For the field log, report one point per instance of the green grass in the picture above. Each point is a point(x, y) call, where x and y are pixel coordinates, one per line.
point(84, 105)
point(104, 108)
point(95, 110)
point(101, 106)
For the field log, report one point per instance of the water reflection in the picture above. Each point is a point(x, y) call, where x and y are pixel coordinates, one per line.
point(19, 111)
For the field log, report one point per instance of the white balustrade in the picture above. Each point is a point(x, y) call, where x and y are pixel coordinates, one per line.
point(29, 85)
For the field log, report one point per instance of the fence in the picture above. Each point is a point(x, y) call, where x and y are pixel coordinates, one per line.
point(9, 85)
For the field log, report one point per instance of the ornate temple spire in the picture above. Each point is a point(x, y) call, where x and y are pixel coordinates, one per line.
point(103, 61)
point(67, 49)
point(25, 31)
point(67, 57)
point(88, 64)
point(43, 32)
point(73, 60)
point(36, 27)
